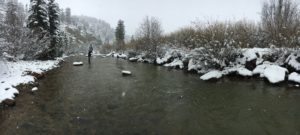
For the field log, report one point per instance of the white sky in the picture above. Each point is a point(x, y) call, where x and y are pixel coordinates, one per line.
point(173, 14)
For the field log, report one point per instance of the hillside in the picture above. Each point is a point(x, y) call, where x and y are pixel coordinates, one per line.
point(84, 30)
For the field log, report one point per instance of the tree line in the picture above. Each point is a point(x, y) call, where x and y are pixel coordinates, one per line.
point(33, 31)
point(43, 30)
point(279, 27)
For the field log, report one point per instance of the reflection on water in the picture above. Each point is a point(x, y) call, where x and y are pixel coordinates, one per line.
point(97, 99)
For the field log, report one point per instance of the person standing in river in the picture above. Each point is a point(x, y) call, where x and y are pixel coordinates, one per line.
point(90, 52)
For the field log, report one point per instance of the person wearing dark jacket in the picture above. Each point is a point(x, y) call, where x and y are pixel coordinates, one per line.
point(90, 52)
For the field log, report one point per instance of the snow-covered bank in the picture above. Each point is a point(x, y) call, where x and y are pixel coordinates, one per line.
point(16, 73)
point(273, 64)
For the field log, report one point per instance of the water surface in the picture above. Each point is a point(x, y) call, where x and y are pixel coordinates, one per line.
point(97, 99)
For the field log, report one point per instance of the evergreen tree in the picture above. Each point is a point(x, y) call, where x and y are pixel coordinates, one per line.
point(53, 10)
point(38, 20)
point(120, 35)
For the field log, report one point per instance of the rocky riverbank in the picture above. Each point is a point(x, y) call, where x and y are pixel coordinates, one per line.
point(274, 64)
point(20, 75)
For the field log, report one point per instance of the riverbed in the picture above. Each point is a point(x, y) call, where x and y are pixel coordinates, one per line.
point(96, 99)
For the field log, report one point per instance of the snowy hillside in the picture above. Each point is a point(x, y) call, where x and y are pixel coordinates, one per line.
point(84, 31)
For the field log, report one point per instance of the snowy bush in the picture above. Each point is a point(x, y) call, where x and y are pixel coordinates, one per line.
point(215, 57)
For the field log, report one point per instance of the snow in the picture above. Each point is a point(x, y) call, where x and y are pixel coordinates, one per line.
point(7, 56)
point(160, 61)
point(34, 89)
point(175, 63)
point(133, 59)
point(229, 70)
point(275, 74)
point(292, 61)
point(239, 70)
point(212, 75)
point(192, 65)
point(124, 72)
point(251, 54)
point(244, 72)
point(123, 56)
point(77, 63)
point(13, 74)
point(163, 60)
point(259, 70)
point(294, 77)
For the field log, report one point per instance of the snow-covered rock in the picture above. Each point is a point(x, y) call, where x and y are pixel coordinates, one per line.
point(77, 63)
point(124, 72)
point(259, 70)
point(133, 59)
point(293, 61)
point(165, 59)
point(275, 74)
point(175, 64)
point(34, 89)
point(250, 54)
point(122, 56)
point(212, 75)
point(229, 70)
point(239, 70)
point(244, 72)
point(294, 77)
point(192, 66)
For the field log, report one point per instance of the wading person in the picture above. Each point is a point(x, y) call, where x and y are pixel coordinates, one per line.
point(90, 52)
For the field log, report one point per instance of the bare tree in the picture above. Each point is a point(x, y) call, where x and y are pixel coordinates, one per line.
point(281, 21)
point(150, 32)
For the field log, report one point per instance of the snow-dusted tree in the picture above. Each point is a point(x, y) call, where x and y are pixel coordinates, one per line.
point(150, 32)
point(68, 15)
point(2, 10)
point(62, 16)
point(12, 21)
point(38, 20)
point(53, 10)
point(120, 35)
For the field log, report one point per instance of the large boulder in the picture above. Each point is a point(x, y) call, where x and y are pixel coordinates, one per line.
point(275, 74)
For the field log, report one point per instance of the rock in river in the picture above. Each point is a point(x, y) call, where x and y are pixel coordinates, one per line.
point(77, 63)
point(126, 73)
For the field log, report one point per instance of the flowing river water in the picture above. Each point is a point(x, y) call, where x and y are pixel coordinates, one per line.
point(96, 99)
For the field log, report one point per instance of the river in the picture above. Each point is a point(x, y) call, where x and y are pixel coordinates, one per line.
point(97, 99)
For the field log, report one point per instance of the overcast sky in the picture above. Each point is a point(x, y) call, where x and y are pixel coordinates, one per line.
point(173, 14)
